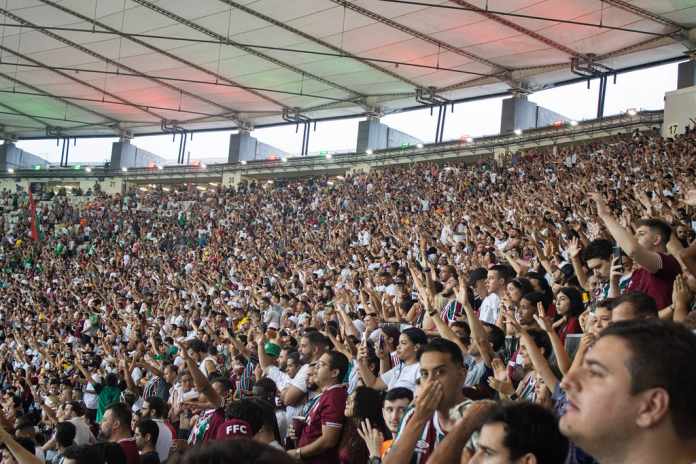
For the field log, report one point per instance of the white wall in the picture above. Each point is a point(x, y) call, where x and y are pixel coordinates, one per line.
point(680, 111)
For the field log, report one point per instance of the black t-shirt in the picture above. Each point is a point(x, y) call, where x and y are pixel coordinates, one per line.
point(150, 458)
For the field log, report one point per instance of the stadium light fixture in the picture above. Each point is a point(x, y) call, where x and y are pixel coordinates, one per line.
point(285, 160)
point(88, 169)
point(160, 167)
point(37, 167)
point(573, 123)
point(518, 131)
point(329, 156)
point(469, 139)
point(204, 166)
point(369, 151)
point(419, 145)
point(124, 169)
point(11, 171)
point(632, 112)
point(243, 162)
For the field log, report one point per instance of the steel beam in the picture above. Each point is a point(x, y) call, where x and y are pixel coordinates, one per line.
point(628, 6)
point(518, 28)
point(250, 50)
point(81, 82)
point(114, 122)
point(108, 60)
point(419, 35)
point(317, 40)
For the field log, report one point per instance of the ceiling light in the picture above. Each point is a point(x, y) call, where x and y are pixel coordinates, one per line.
point(518, 131)
point(285, 160)
point(369, 151)
point(573, 123)
point(328, 157)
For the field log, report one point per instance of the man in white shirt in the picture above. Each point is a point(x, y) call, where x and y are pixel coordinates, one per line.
point(74, 412)
point(496, 282)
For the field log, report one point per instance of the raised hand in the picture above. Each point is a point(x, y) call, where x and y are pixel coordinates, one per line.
point(574, 248)
point(542, 319)
point(372, 437)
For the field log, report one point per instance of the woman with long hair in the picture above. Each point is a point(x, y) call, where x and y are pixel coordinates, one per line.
point(363, 404)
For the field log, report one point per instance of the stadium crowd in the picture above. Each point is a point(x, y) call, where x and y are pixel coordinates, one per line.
point(539, 311)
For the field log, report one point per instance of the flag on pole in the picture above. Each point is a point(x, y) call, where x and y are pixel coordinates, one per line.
point(32, 213)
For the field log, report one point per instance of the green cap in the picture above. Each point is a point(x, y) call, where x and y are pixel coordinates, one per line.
point(272, 349)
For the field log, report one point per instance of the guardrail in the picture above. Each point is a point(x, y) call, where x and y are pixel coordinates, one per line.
point(428, 152)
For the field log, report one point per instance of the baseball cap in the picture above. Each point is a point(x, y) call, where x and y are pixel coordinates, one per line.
point(234, 428)
point(273, 325)
point(272, 349)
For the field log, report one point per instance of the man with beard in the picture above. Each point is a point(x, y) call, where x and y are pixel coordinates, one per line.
point(312, 346)
point(115, 427)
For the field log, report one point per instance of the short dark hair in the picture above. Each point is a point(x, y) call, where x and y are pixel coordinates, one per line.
point(658, 226)
point(85, 454)
point(149, 427)
point(247, 410)
point(65, 433)
point(530, 428)
point(416, 335)
point(338, 361)
point(441, 345)
point(477, 274)
point(503, 271)
point(662, 355)
point(121, 412)
point(599, 248)
point(644, 305)
point(198, 346)
point(77, 408)
point(238, 450)
point(316, 338)
point(496, 336)
point(542, 340)
point(399, 393)
point(157, 405)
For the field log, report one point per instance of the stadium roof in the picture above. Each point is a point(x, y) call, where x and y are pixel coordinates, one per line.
point(106, 67)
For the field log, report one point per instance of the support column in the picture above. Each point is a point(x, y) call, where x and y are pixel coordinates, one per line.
point(242, 147)
point(373, 135)
point(126, 155)
point(520, 113)
point(686, 74)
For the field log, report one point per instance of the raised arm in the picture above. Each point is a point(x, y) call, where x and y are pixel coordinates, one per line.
point(478, 332)
point(647, 259)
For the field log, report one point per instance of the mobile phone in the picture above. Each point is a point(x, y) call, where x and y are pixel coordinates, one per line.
point(618, 254)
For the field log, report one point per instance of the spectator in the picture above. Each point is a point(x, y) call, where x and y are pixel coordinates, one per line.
point(115, 427)
point(631, 400)
point(319, 440)
point(146, 436)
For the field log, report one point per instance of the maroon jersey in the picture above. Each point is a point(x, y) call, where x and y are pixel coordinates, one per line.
point(130, 449)
point(327, 411)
